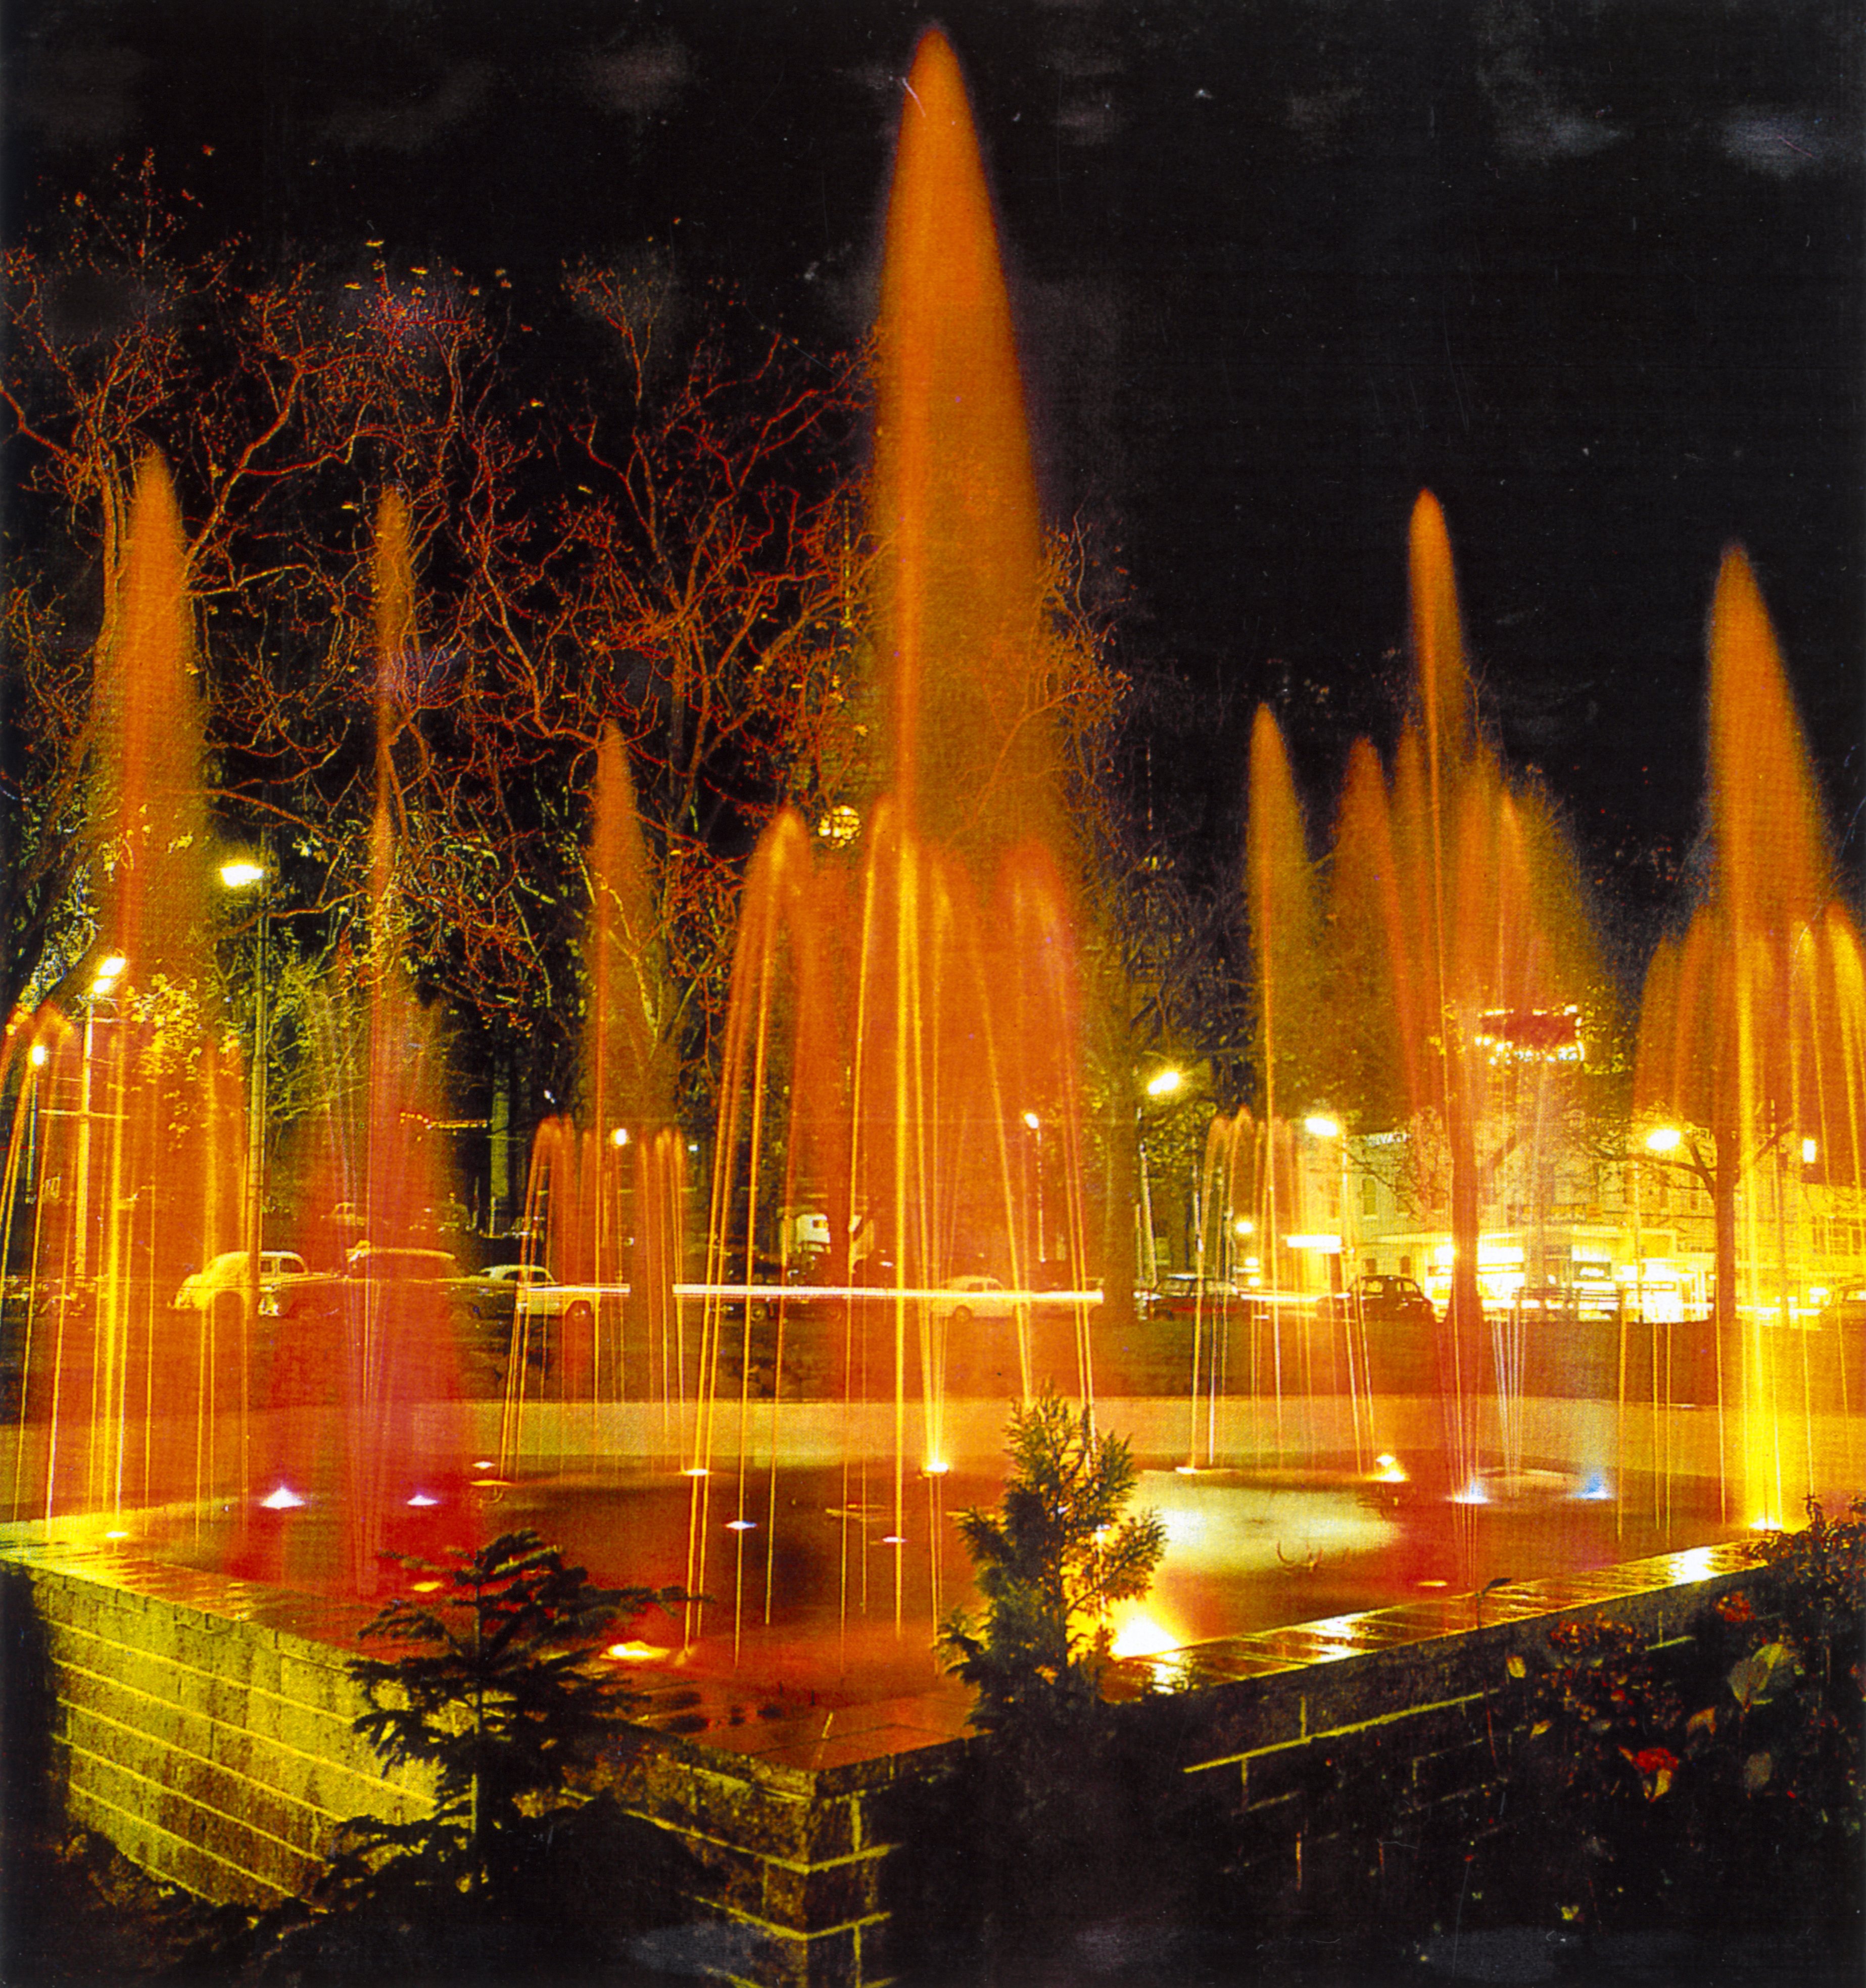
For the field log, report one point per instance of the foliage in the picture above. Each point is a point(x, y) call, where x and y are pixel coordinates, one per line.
point(1723, 1788)
point(1063, 1814)
point(1048, 1563)
point(520, 1870)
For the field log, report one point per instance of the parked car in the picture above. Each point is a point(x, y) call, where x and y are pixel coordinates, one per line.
point(1845, 1307)
point(975, 1297)
point(1566, 1302)
point(493, 1294)
point(1183, 1294)
point(1377, 1299)
point(227, 1272)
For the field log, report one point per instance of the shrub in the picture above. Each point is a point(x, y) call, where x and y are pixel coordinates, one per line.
point(519, 1873)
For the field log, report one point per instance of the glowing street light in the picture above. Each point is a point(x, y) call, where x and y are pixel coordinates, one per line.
point(618, 1137)
point(1035, 1123)
point(1163, 1083)
point(1323, 1127)
point(1811, 1151)
point(1664, 1139)
point(246, 873)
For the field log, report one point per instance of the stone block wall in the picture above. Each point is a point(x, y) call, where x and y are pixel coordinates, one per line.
point(1356, 1760)
point(204, 1727)
point(211, 1745)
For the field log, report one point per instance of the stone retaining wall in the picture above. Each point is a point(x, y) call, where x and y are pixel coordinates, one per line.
point(204, 1726)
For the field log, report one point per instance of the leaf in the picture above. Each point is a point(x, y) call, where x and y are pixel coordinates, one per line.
point(1756, 1771)
point(1763, 1673)
point(1702, 1722)
point(1516, 1666)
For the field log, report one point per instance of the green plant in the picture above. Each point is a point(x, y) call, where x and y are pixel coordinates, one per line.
point(521, 1870)
point(1048, 1563)
point(1062, 1814)
point(1716, 1784)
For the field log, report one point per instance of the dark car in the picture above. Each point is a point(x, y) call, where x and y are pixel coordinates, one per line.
point(1845, 1307)
point(1185, 1295)
point(1378, 1299)
point(1567, 1302)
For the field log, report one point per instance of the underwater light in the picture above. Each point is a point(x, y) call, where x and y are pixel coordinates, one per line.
point(1595, 1488)
point(936, 1466)
point(741, 1525)
point(696, 1470)
point(421, 1498)
point(633, 1653)
point(1388, 1469)
point(284, 1500)
point(1473, 1493)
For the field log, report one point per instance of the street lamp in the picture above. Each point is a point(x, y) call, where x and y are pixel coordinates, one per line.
point(104, 978)
point(244, 873)
point(1034, 1125)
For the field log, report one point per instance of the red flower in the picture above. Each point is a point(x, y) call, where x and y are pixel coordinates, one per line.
point(1735, 1607)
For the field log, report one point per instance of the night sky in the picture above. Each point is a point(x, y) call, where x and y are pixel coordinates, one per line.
point(1591, 271)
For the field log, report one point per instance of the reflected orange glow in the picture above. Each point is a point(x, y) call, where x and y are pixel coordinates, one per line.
point(1138, 1633)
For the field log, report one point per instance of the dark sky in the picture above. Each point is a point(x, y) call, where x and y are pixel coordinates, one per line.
point(1591, 271)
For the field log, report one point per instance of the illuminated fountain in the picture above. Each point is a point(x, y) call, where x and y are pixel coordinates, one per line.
point(899, 1240)
point(127, 1142)
point(1752, 1073)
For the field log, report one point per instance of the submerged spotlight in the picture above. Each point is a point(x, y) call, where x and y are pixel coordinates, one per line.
point(284, 1500)
point(421, 1498)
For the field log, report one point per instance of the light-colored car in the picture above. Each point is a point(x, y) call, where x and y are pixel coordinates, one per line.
point(494, 1293)
point(972, 1297)
point(528, 1274)
point(227, 1272)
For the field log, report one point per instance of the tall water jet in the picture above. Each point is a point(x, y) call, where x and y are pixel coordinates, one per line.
point(125, 1146)
point(1457, 910)
point(606, 1200)
point(902, 1059)
point(1752, 1058)
point(363, 1449)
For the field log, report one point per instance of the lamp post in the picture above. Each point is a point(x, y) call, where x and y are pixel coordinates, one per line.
point(1322, 1128)
point(1034, 1125)
point(1164, 1083)
point(244, 873)
point(102, 988)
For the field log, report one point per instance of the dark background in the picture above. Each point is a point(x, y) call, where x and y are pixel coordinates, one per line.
point(1591, 271)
